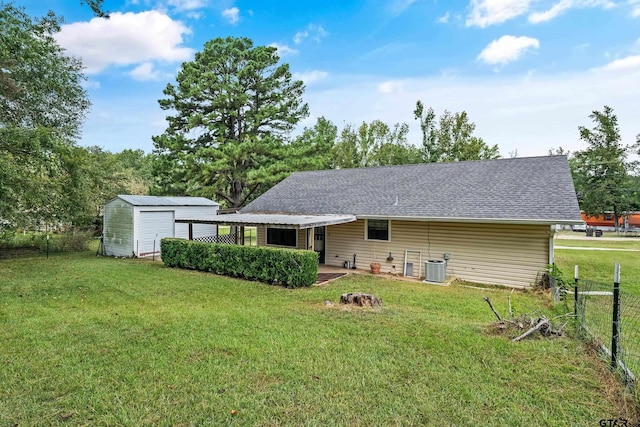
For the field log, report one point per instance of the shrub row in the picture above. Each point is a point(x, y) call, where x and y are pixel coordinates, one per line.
point(289, 267)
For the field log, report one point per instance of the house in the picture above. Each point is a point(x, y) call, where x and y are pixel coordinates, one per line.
point(134, 225)
point(492, 221)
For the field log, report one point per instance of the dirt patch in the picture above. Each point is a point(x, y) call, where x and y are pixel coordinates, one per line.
point(327, 277)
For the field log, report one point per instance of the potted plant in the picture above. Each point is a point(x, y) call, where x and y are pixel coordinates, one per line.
point(375, 267)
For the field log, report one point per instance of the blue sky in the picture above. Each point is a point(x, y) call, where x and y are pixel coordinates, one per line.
point(528, 72)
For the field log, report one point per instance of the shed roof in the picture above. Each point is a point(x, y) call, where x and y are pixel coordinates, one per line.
point(526, 190)
point(166, 200)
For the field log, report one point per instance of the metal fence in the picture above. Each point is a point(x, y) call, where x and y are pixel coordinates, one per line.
point(611, 317)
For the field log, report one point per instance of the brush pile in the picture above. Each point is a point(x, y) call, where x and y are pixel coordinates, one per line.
point(528, 323)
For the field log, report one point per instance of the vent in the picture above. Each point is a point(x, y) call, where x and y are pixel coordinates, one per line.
point(435, 271)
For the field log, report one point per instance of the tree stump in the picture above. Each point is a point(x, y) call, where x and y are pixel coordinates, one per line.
point(360, 299)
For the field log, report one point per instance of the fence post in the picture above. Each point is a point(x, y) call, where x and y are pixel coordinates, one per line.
point(615, 338)
point(575, 292)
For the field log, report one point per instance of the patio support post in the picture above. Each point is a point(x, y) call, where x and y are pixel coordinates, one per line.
point(311, 234)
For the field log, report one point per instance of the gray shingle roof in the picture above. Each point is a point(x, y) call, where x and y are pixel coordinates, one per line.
point(522, 189)
point(166, 201)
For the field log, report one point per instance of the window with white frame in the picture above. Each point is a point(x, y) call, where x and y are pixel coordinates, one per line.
point(377, 229)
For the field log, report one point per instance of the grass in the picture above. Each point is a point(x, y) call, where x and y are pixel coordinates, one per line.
point(250, 234)
point(598, 265)
point(597, 243)
point(99, 341)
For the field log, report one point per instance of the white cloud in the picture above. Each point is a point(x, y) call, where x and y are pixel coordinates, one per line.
point(313, 31)
point(444, 18)
point(555, 10)
point(187, 4)
point(146, 72)
point(397, 7)
point(90, 84)
point(635, 8)
point(310, 77)
point(232, 15)
point(507, 49)
point(563, 5)
point(390, 86)
point(628, 63)
point(300, 36)
point(195, 15)
point(284, 50)
point(125, 39)
point(489, 12)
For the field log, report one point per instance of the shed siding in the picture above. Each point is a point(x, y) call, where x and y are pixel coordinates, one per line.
point(486, 253)
point(180, 212)
point(118, 228)
point(195, 212)
point(154, 226)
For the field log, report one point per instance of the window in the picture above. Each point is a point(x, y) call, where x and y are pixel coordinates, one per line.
point(282, 237)
point(378, 229)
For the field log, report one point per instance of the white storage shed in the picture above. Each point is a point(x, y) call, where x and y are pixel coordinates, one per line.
point(134, 225)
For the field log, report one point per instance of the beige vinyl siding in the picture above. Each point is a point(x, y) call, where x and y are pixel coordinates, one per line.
point(486, 253)
point(262, 238)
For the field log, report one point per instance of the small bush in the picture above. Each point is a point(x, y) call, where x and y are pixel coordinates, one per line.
point(289, 267)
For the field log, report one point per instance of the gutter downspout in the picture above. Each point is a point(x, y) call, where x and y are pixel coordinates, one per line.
point(552, 232)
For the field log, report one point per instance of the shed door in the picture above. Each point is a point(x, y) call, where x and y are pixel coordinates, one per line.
point(153, 227)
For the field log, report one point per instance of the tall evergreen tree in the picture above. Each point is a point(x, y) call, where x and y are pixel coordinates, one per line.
point(234, 108)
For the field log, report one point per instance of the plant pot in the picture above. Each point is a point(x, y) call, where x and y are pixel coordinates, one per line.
point(375, 267)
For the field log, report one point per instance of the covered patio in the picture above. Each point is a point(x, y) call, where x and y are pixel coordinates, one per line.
point(238, 221)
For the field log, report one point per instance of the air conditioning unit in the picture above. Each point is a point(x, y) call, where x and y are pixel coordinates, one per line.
point(435, 271)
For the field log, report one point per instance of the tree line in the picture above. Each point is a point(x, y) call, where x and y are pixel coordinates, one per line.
point(232, 112)
point(605, 174)
point(234, 107)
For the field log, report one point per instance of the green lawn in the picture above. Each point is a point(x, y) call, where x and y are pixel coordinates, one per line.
point(598, 265)
point(100, 341)
point(598, 243)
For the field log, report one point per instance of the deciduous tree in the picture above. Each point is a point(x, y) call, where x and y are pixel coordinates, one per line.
point(42, 107)
point(602, 170)
point(374, 144)
point(450, 138)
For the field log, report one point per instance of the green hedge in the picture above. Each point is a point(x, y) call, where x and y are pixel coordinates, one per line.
point(289, 267)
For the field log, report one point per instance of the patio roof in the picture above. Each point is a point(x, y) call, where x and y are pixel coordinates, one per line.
point(274, 220)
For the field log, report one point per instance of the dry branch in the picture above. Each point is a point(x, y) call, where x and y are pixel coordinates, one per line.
point(492, 309)
point(543, 323)
point(531, 322)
